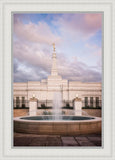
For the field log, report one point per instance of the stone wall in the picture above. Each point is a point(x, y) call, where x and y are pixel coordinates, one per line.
point(20, 112)
point(91, 112)
point(94, 112)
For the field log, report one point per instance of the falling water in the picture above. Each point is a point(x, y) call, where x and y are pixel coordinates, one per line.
point(85, 113)
point(57, 106)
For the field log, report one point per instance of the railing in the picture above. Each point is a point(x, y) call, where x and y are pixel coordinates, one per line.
point(94, 103)
point(48, 103)
point(20, 103)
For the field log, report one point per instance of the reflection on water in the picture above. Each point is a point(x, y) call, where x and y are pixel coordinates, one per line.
point(61, 118)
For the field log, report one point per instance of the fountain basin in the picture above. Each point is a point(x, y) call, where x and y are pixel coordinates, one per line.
point(69, 125)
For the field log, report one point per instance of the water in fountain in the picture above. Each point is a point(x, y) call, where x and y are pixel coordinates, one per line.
point(57, 106)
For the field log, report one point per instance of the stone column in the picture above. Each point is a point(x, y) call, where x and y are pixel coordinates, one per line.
point(83, 101)
point(78, 106)
point(94, 102)
point(33, 106)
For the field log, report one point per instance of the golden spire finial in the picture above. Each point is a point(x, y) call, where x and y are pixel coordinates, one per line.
point(53, 46)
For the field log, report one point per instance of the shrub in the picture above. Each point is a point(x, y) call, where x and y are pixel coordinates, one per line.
point(21, 108)
point(63, 112)
point(67, 107)
point(44, 112)
point(44, 107)
point(50, 113)
point(47, 113)
point(88, 107)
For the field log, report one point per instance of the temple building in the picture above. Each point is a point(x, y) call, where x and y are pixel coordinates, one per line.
point(44, 90)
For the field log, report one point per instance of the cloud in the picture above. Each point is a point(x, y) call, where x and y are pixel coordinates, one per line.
point(24, 72)
point(78, 71)
point(32, 54)
point(36, 33)
point(32, 43)
point(94, 49)
point(32, 63)
point(82, 25)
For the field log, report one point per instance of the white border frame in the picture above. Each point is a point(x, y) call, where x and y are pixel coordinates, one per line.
point(6, 152)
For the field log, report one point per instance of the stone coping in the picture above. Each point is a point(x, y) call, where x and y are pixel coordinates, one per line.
point(96, 119)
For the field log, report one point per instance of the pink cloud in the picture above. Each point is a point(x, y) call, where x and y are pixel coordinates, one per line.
point(40, 32)
point(32, 55)
point(35, 64)
point(93, 22)
point(98, 52)
point(94, 49)
point(81, 24)
point(35, 58)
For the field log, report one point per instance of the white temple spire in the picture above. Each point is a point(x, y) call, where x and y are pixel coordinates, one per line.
point(54, 71)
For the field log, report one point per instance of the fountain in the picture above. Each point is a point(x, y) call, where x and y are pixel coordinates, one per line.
point(57, 106)
point(57, 124)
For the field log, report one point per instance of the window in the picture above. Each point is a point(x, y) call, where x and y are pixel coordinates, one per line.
point(86, 101)
point(23, 102)
point(97, 101)
point(17, 102)
point(91, 101)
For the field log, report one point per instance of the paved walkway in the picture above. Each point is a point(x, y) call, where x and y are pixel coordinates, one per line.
point(51, 140)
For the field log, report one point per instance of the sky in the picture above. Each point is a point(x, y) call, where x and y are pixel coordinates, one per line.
point(78, 42)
